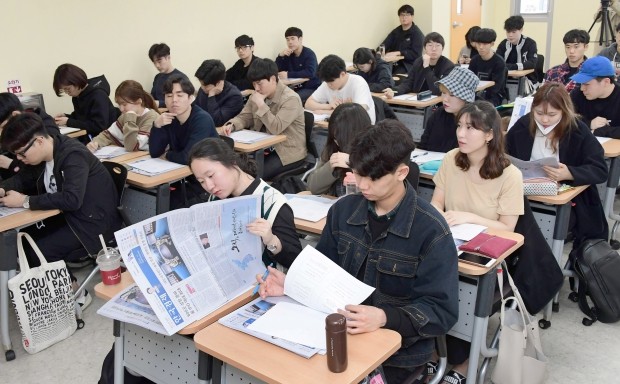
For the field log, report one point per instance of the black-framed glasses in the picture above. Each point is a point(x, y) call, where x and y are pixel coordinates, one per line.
point(242, 48)
point(22, 153)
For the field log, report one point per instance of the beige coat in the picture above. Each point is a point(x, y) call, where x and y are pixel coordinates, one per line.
point(281, 115)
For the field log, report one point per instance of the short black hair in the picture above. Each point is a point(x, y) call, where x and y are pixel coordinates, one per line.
point(485, 36)
point(211, 72)
point(576, 36)
point(216, 149)
point(186, 85)
point(159, 50)
point(9, 103)
point(513, 23)
point(262, 69)
point(330, 68)
point(405, 9)
point(293, 31)
point(380, 149)
point(243, 40)
point(20, 129)
point(69, 74)
point(435, 38)
point(470, 36)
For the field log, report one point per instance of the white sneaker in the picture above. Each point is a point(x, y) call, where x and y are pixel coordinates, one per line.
point(84, 299)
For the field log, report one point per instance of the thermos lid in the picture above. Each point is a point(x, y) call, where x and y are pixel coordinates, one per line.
point(335, 322)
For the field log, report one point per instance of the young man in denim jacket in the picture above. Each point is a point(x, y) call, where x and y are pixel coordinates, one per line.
point(389, 238)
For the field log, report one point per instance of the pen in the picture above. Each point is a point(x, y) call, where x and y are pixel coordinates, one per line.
point(419, 154)
point(258, 285)
point(90, 137)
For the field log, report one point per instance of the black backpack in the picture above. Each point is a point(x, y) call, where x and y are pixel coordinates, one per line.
point(289, 184)
point(597, 267)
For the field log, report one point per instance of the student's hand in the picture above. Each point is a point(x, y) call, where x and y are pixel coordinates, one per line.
point(458, 217)
point(273, 285)
point(164, 119)
point(339, 160)
point(349, 178)
point(426, 60)
point(2, 192)
point(219, 87)
point(363, 318)
point(5, 162)
point(13, 199)
point(258, 99)
point(226, 129)
point(336, 102)
point(283, 74)
point(558, 174)
point(598, 122)
point(286, 52)
point(388, 92)
point(92, 146)
point(262, 228)
point(61, 120)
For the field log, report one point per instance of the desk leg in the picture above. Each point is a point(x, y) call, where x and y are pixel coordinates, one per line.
point(163, 199)
point(205, 367)
point(427, 113)
point(119, 366)
point(217, 372)
point(259, 157)
point(482, 311)
point(612, 184)
point(8, 265)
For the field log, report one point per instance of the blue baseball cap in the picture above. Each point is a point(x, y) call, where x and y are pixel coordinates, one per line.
point(597, 66)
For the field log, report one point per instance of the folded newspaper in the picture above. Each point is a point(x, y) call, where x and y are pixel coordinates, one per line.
point(533, 170)
point(189, 262)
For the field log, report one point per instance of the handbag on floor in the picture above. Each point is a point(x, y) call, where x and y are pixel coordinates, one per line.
point(520, 359)
point(43, 300)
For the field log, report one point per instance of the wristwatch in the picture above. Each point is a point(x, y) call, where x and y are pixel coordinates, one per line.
point(272, 247)
point(26, 203)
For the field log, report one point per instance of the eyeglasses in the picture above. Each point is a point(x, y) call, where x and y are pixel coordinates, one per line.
point(243, 47)
point(22, 153)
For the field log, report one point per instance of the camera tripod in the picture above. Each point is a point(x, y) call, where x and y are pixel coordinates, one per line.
point(606, 37)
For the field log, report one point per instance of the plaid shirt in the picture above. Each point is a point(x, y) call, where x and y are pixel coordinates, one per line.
point(559, 73)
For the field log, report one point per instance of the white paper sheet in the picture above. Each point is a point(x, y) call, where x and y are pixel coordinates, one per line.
point(602, 139)
point(466, 231)
point(109, 152)
point(421, 156)
point(66, 130)
point(155, 166)
point(293, 322)
point(311, 208)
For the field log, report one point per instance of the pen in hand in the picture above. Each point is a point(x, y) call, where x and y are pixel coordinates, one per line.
point(258, 285)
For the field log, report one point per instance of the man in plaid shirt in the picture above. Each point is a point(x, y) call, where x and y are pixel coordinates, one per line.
point(575, 44)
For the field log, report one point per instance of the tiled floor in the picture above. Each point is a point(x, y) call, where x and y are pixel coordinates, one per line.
point(577, 354)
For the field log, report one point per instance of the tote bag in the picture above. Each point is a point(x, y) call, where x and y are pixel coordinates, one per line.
point(520, 359)
point(43, 300)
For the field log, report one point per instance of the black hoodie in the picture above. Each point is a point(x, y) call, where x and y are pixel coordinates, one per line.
point(92, 109)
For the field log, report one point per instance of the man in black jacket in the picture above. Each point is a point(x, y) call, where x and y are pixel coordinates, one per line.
point(62, 174)
point(405, 40)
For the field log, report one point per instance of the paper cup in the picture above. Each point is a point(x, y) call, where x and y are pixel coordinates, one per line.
point(110, 266)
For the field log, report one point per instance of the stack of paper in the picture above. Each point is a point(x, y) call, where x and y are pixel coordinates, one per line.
point(421, 156)
point(152, 167)
point(309, 207)
point(109, 152)
point(462, 233)
point(66, 130)
point(247, 136)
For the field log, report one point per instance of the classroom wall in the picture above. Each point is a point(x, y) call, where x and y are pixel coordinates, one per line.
point(112, 37)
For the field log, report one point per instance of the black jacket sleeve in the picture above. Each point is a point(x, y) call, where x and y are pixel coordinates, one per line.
point(284, 228)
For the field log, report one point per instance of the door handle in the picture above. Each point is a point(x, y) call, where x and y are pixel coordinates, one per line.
point(456, 24)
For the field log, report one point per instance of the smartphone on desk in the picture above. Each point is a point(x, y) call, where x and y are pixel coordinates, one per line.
point(479, 260)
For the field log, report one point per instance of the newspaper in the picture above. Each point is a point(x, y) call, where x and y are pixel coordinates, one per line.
point(246, 315)
point(189, 262)
point(533, 170)
point(131, 306)
point(522, 106)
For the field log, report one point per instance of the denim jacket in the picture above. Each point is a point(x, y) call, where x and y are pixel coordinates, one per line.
point(413, 266)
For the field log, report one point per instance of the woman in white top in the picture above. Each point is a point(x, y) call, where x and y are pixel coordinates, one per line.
point(131, 129)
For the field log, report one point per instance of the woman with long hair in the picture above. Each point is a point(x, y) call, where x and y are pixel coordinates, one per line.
point(131, 130)
point(224, 174)
point(347, 121)
point(552, 129)
point(476, 184)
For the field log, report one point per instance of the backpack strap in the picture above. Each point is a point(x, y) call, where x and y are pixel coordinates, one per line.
point(582, 293)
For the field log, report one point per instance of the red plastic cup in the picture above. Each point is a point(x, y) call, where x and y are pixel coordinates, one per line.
point(110, 266)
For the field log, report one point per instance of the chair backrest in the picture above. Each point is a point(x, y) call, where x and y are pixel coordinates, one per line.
point(229, 140)
point(413, 177)
point(539, 69)
point(119, 177)
point(383, 110)
point(308, 126)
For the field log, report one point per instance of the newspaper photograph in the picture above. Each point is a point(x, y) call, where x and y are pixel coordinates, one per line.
point(130, 306)
point(240, 320)
point(191, 261)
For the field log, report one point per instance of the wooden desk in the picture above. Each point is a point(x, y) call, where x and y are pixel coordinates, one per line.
point(258, 148)
point(8, 265)
point(127, 157)
point(79, 133)
point(484, 84)
point(392, 59)
point(518, 78)
point(247, 92)
point(160, 183)
point(291, 82)
point(519, 73)
point(157, 359)
point(273, 364)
